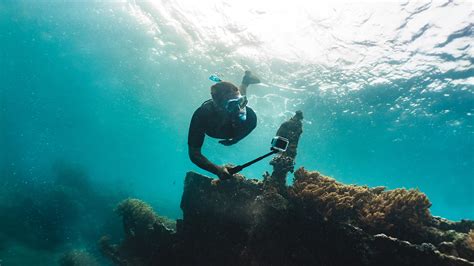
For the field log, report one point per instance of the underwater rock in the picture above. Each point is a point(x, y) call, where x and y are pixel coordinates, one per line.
point(147, 239)
point(285, 162)
point(465, 246)
point(292, 130)
point(463, 226)
point(238, 222)
point(316, 221)
point(216, 218)
point(392, 251)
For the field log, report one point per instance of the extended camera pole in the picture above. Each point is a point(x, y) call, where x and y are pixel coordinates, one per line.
point(240, 167)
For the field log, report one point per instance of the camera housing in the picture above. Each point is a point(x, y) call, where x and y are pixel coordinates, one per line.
point(279, 144)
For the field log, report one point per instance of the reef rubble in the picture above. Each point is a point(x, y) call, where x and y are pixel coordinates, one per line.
point(315, 221)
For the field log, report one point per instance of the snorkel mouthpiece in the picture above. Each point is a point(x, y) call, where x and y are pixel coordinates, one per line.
point(243, 115)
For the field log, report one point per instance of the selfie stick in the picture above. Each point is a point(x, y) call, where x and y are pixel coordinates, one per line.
point(240, 167)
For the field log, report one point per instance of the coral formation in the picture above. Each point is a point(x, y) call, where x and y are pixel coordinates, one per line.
point(285, 162)
point(145, 234)
point(376, 210)
point(331, 199)
point(292, 130)
point(239, 222)
point(399, 209)
point(138, 217)
point(316, 221)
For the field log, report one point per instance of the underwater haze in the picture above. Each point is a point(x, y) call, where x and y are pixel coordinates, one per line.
point(386, 89)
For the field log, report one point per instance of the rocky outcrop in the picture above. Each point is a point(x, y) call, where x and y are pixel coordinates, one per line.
point(316, 221)
point(285, 162)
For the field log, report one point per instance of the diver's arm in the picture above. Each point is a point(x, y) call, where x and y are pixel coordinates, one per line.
point(196, 137)
point(200, 160)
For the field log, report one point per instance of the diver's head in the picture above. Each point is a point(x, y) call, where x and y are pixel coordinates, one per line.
point(227, 98)
point(223, 91)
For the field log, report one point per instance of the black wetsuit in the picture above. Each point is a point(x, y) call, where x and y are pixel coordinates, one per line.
point(207, 120)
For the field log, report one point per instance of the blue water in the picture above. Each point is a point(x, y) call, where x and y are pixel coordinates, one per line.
point(387, 92)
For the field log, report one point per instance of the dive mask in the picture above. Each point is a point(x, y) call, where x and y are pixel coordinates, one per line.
point(237, 106)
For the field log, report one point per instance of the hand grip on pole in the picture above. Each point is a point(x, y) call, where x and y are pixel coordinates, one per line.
point(235, 170)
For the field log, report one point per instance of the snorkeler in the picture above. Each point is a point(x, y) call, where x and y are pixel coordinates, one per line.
point(226, 116)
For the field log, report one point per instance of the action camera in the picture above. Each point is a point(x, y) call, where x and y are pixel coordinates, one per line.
point(279, 144)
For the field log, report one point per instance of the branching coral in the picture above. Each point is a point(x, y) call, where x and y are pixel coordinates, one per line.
point(331, 199)
point(375, 209)
point(396, 208)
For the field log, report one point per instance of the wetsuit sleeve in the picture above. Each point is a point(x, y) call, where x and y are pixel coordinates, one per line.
point(197, 128)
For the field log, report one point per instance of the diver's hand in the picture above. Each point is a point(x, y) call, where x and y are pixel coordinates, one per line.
point(227, 142)
point(223, 173)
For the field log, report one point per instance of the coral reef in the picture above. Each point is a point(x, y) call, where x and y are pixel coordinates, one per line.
point(331, 199)
point(396, 209)
point(138, 217)
point(396, 212)
point(316, 221)
point(238, 222)
point(147, 239)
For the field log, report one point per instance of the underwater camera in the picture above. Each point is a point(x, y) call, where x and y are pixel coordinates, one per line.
point(279, 144)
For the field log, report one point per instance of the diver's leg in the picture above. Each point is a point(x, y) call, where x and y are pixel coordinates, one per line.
point(243, 89)
point(248, 79)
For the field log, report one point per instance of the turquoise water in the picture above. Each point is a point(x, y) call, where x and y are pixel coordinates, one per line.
point(387, 91)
